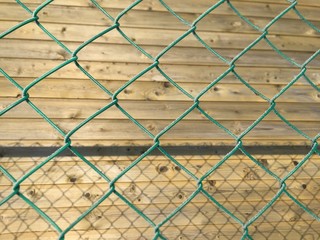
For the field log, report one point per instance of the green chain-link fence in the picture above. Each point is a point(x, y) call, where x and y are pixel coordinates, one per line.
point(112, 192)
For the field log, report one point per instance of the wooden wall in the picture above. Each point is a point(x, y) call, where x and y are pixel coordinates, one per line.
point(69, 97)
point(65, 187)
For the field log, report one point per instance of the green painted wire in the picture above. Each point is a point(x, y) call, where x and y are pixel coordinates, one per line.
point(156, 64)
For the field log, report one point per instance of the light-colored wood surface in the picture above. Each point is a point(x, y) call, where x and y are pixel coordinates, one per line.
point(72, 187)
point(66, 186)
point(112, 61)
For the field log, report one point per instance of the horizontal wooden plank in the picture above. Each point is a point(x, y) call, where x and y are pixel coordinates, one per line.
point(125, 53)
point(123, 130)
point(271, 157)
point(110, 213)
point(162, 110)
point(160, 37)
point(153, 19)
point(237, 169)
point(158, 91)
point(247, 8)
point(145, 194)
point(187, 6)
point(20, 68)
point(184, 232)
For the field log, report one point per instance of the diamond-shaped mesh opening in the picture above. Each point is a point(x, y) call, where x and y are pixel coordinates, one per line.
point(198, 165)
point(113, 219)
point(9, 93)
point(64, 188)
point(6, 184)
point(34, 131)
point(279, 131)
point(73, 15)
point(136, 18)
point(156, 187)
point(285, 220)
point(268, 57)
point(78, 90)
point(19, 49)
point(195, 55)
point(206, 132)
point(6, 14)
point(19, 220)
point(201, 219)
point(198, 173)
point(113, 130)
point(294, 25)
point(242, 186)
point(304, 184)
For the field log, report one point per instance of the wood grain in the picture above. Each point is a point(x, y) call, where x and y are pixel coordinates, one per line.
point(156, 19)
point(160, 37)
point(66, 187)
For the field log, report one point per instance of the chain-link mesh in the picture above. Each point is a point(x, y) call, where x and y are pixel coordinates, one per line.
point(195, 187)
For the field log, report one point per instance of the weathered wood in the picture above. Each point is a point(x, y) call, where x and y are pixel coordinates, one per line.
point(186, 6)
point(271, 157)
point(143, 143)
point(20, 68)
point(156, 19)
point(161, 37)
point(126, 53)
point(66, 186)
point(183, 233)
point(247, 7)
point(110, 130)
point(111, 216)
point(161, 170)
point(158, 91)
point(162, 110)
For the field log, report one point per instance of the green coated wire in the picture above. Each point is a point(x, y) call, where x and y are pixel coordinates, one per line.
point(156, 64)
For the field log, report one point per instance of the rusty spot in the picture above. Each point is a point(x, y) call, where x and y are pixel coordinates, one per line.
point(304, 186)
point(63, 29)
point(295, 163)
point(215, 89)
